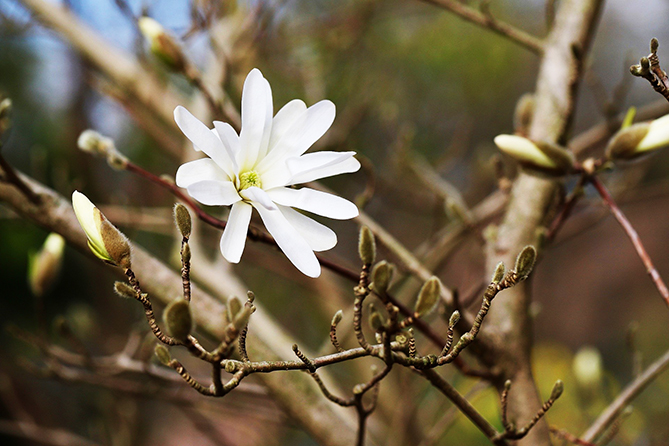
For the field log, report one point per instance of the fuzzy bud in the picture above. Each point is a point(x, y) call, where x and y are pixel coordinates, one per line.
point(163, 45)
point(498, 275)
point(124, 290)
point(104, 239)
point(234, 307)
point(638, 140)
point(366, 246)
point(163, 354)
point(587, 367)
point(507, 385)
point(375, 318)
point(185, 253)
point(381, 277)
point(525, 261)
point(558, 388)
point(336, 319)
point(183, 220)
point(178, 319)
point(454, 319)
point(428, 296)
point(44, 266)
point(95, 143)
point(537, 157)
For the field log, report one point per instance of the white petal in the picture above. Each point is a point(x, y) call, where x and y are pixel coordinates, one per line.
point(256, 119)
point(320, 117)
point(318, 236)
point(310, 200)
point(234, 234)
point(214, 193)
point(285, 119)
point(203, 138)
point(293, 245)
point(230, 140)
point(348, 165)
point(85, 211)
point(198, 170)
point(257, 195)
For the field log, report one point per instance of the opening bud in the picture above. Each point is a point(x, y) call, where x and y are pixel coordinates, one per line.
point(163, 354)
point(162, 44)
point(525, 261)
point(44, 266)
point(178, 319)
point(367, 246)
point(537, 157)
point(183, 220)
point(639, 140)
point(428, 296)
point(382, 274)
point(104, 239)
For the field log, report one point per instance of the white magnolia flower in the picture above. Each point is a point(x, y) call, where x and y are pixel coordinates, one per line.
point(257, 168)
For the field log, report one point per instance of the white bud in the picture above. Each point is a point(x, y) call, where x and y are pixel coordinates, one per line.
point(537, 157)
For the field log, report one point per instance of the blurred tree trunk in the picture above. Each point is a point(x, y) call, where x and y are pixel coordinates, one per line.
point(507, 334)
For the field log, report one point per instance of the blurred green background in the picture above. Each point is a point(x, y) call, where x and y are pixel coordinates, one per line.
point(405, 76)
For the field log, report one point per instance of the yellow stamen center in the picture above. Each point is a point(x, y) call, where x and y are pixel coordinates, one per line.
point(249, 179)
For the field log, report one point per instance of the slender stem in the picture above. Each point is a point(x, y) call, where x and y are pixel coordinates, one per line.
point(634, 237)
point(514, 34)
point(464, 406)
point(633, 389)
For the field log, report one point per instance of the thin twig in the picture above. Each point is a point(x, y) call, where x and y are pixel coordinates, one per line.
point(514, 34)
point(634, 237)
point(633, 389)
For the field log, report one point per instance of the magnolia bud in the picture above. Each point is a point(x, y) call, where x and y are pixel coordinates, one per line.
point(163, 45)
point(454, 319)
point(44, 266)
point(537, 157)
point(336, 319)
point(498, 275)
point(124, 290)
point(242, 317)
point(367, 246)
point(234, 306)
point(375, 318)
point(525, 261)
point(183, 220)
point(639, 139)
point(558, 388)
point(381, 276)
point(428, 296)
point(178, 319)
point(95, 143)
point(163, 354)
point(104, 240)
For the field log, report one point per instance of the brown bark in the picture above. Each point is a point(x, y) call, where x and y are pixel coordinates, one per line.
point(507, 334)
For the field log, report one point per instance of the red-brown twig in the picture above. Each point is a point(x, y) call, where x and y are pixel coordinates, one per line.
point(634, 237)
point(566, 210)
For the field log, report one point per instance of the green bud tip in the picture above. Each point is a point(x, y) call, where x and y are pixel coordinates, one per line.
point(525, 261)
point(163, 45)
point(178, 319)
point(454, 319)
point(381, 277)
point(124, 290)
point(498, 275)
point(230, 366)
point(336, 319)
point(163, 354)
point(507, 385)
point(558, 388)
point(367, 246)
point(428, 296)
point(234, 307)
point(537, 157)
point(183, 220)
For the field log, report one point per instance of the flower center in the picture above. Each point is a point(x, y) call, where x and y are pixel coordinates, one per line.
point(249, 179)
